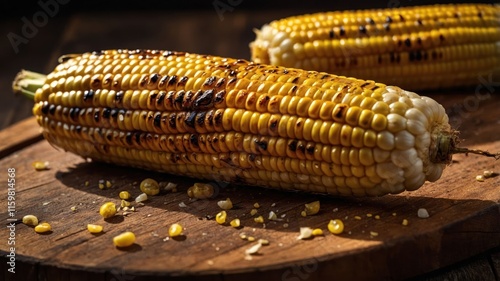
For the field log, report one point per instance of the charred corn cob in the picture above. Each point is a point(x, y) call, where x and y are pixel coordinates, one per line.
point(237, 121)
point(420, 47)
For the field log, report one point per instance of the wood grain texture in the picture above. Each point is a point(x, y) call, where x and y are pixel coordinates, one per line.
point(463, 223)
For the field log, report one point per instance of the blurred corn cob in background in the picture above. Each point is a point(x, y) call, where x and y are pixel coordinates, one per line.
point(415, 48)
point(232, 120)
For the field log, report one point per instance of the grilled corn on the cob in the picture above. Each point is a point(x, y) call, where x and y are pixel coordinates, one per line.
point(232, 120)
point(419, 47)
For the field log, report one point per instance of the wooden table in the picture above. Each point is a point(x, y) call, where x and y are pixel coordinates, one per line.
point(459, 241)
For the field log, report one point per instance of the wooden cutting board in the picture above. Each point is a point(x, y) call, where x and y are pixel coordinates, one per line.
point(464, 219)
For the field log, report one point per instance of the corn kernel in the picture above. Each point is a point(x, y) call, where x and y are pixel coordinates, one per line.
point(124, 195)
point(256, 205)
point(312, 208)
point(336, 226)
point(124, 204)
point(480, 178)
point(30, 220)
point(220, 218)
point(303, 213)
point(263, 242)
point(150, 186)
point(87, 183)
point(73, 208)
point(200, 191)
point(43, 227)
point(251, 238)
point(94, 228)
point(101, 184)
point(225, 204)
point(107, 210)
point(317, 232)
point(125, 239)
point(141, 198)
point(488, 174)
point(405, 222)
point(357, 218)
point(305, 232)
point(377, 217)
point(108, 184)
point(259, 219)
point(235, 223)
point(373, 234)
point(40, 166)
point(253, 212)
point(369, 215)
point(175, 230)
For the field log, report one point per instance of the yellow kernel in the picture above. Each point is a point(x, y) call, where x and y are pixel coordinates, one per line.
point(73, 208)
point(30, 220)
point(108, 184)
point(40, 166)
point(373, 233)
point(220, 218)
point(253, 212)
point(394, 214)
point(369, 215)
point(225, 204)
point(336, 226)
point(256, 205)
point(125, 195)
point(124, 239)
point(235, 223)
point(259, 219)
point(200, 191)
point(377, 217)
point(243, 236)
point(312, 208)
point(43, 227)
point(107, 210)
point(87, 183)
point(124, 204)
point(100, 184)
point(150, 186)
point(488, 174)
point(357, 218)
point(404, 222)
point(480, 178)
point(317, 232)
point(251, 238)
point(175, 230)
point(263, 242)
point(94, 228)
point(303, 213)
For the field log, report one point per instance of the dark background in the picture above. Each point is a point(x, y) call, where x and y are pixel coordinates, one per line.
point(192, 26)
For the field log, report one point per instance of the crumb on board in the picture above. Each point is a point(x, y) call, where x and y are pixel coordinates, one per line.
point(422, 213)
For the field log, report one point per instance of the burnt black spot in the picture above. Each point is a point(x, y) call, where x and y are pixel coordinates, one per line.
point(118, 96)
point(261, 144)
point(441, 37)
point(157, 120)
point(172, 80)
point(73, 112)
point(434, 55)
point(78, 128)
point(342, 31)
point(88, 95)
point(388, 19)
point(171, 120)
point(408, 42)
point(97, 115)
point(339, 111)
point(232, 73)
point(295, 80)
point(331, 34)
point(137, 137)
point(362, 29)
point(114, 113)
point(387, 26)
point(98, 53)
point(193, 139)
point(364, 84)
point(200, 118)
point(52, 109)
point(154, 77)
point(418, 22)
point(220, 82)
point(273, 125)
point(401, 18)
point(106, 112)
point(45, 107)
point(285, 71)
point(219, 97)
point(292, 145)
point(310, 149)
point(293, 89)
point(187, 102)
point(190, 118)
point(204, 100)
point(209, 81)
point(480, 14)
point(179, 97)
point(251, 157)
point(163, 81)
point(379, 59)
point(218, 118)
point(370, 21)
point(160, 97)
point(167, 53)
point(301, 147)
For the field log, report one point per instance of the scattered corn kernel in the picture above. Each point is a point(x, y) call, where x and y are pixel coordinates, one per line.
point(253, 249)
point(225, 204)
point(312, 208)
point(256, 205)
point(220, 218)
point(30, 220)
point(488, 174)
point(259, 219)
point(107, 210)
point(253, 212)
point(175, 230)
point(303, 213)
point(263, 242)
point(87, 183)
point(317, 232)
point(357, 218)
point(124, 203)
point(405, 222)
point(377, 217)
point(101, 184)
point(43, 227)
point(150, 186)
point(305, 232)
point(336, 226)
point(251, 238)
point(200, 191)
point(394, 214)
point(422, 213)
point(73, 208)
point(272, 216)
point(243, 236)
point(108, 184)
point(369, 215)
point(168, 186)
point(94, 228)
point(480, 178)
point(235, 223)
point(141, 198)
point(40, 165)
point(373, 234)
point(125, 239)
point(285, 225)
point(124, 195)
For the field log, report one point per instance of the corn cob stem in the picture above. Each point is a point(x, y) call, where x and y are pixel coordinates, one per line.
point(237, 121)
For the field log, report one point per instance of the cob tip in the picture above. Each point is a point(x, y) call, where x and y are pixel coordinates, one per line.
point(27, 82)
